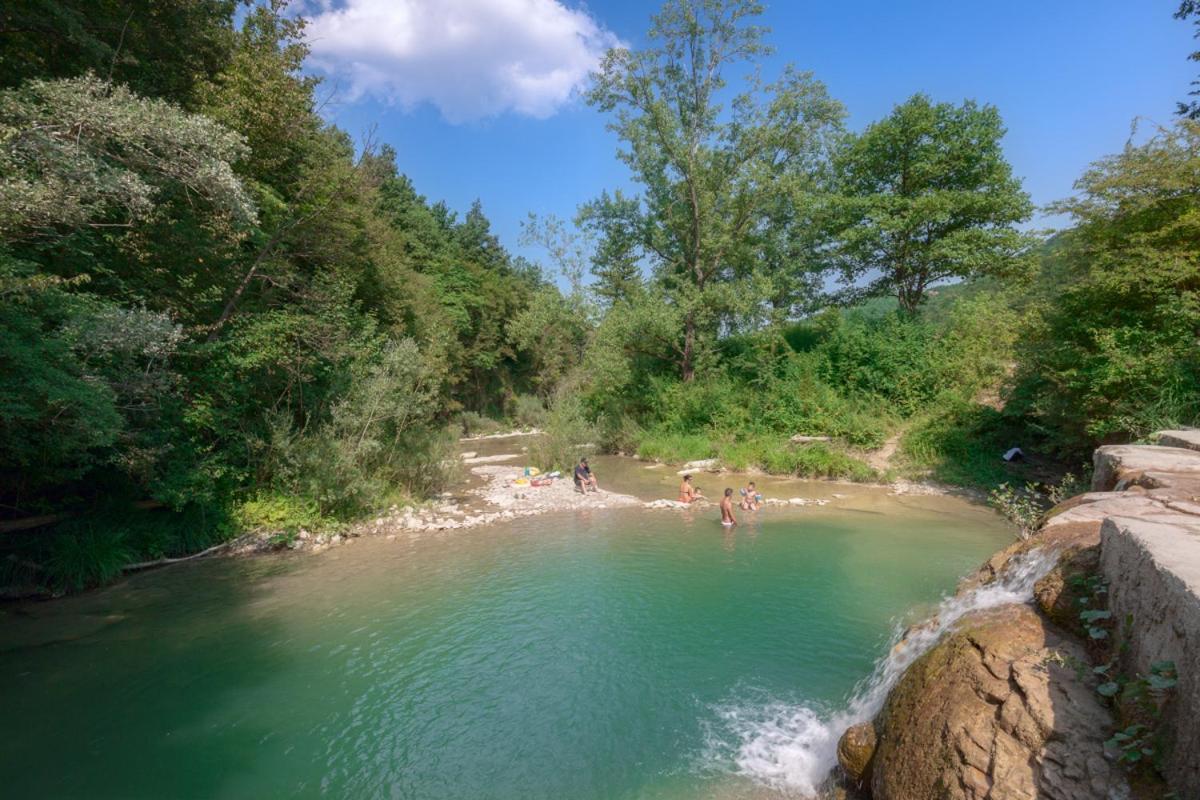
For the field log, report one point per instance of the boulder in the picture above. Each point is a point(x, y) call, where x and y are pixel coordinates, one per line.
point(1189, 440)
point(854, 752)
point(995, 710)
point(1118, 466)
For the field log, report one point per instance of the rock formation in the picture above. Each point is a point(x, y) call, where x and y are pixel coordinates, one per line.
point(995, 710)
point(1004, 706)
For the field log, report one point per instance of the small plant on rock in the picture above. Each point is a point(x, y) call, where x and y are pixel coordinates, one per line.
point(1023, 507)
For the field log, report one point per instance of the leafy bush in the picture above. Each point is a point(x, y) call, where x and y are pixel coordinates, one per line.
point(1023, 507)
point(567, 434)
point(380, 441)
point(1111, 353)
point(279, 512)
point(528, 411)
point(815, 460)
point(473, 423)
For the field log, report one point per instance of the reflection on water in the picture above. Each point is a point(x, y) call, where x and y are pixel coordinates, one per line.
point(573, 656)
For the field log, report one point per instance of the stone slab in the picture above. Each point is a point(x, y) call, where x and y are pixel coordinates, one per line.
point(1189, 440)
point(1120, 465)
point(1152, 563)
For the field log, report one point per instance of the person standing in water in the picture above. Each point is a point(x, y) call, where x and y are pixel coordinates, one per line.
point(727, 518)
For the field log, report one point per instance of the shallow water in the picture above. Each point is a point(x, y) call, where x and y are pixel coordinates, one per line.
point(616, 654)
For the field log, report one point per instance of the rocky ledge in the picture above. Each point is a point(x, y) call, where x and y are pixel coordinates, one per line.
point(1011, 701)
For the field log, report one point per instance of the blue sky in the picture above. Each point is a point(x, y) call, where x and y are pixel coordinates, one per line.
point(435, 78)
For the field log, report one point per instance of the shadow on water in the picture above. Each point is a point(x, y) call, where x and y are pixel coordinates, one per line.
point(111, 695)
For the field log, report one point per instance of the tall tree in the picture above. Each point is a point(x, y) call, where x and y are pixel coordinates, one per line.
point(711, 173)
point(159, 48)
point(926, 196)
point(1187, 10)
point(1112, 353)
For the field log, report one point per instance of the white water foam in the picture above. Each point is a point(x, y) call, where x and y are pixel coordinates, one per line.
point(793, 747)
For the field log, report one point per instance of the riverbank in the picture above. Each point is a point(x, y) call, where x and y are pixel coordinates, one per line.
point(492, 493)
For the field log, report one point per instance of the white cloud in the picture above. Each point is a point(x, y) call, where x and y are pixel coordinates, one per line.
point(469, 58)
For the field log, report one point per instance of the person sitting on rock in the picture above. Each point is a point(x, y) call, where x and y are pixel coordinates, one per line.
point(687, 492)
point(584, 479)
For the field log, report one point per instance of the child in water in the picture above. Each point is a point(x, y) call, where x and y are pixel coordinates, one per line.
point(727, 518)
point(751, 499)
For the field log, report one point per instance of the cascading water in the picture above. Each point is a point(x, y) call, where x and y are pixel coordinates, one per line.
point(794, 747)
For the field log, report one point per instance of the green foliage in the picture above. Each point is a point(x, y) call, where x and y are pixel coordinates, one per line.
point(1024, 507)
point(473, 423)
point(815, 460)
point(660, 445)
point(719, 182)
point(379, 441)
point(280, 512)
point(1111, 353)
point(209, 296)
point(527, 411)
point(567, 434)
point(926, 195)
point(86, 557)
point(81, 152)
point(159, 48)
point(960, 443)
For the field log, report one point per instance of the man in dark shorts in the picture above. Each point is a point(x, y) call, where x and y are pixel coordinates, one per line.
point(584, 479)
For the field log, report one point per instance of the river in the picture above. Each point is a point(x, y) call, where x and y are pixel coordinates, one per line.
point(578, 656)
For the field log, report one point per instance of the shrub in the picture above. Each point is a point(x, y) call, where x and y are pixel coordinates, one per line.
point(473, 423)
point(567, 434)
point(380, 441)
point(815, 461)
point(528, 411)
point(279, 512)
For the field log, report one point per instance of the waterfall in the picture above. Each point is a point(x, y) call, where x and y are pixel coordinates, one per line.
point(794, 747)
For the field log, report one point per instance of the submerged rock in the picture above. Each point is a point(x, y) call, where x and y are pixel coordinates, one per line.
point(997, 709)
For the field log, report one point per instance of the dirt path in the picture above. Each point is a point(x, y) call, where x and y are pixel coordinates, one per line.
point(881, 460)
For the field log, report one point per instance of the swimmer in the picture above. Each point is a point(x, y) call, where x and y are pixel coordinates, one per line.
point(727, 518)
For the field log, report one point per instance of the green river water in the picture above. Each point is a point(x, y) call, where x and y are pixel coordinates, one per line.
point(578, 656)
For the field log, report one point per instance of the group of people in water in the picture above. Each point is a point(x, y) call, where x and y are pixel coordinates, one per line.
point(751, 499)
point(585, 481)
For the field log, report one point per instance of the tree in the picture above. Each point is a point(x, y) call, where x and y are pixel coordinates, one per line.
point(158, 48)
point(710, 174)
point(616, 263)
point(926, 196)
point(82, 152)
point(1187, 10)
point(1112, 353)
